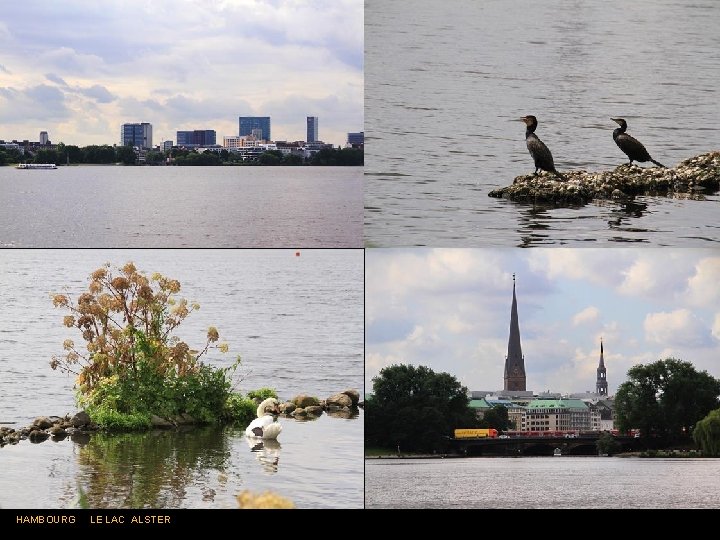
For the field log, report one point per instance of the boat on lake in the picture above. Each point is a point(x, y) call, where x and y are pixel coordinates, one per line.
point(36, 166)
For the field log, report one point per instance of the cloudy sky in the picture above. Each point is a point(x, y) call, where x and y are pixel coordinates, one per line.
point(449, 309)
point(80, 69)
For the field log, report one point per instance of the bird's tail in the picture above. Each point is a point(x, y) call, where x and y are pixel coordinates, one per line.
point(658, 163)
point(562, 176)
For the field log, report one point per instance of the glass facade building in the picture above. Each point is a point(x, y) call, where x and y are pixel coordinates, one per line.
point(249, 123)
point(312, 129)
point(136, 135)
point(197, 137)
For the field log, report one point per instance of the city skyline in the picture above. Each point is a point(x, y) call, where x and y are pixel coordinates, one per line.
point(449, 309)
point(79, 71)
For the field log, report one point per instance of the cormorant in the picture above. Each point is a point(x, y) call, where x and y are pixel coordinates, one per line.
point(539, 152)
point(630, 145)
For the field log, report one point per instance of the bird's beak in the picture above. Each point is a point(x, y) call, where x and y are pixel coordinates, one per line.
point(615, 120)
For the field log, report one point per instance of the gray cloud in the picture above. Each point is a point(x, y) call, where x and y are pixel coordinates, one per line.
point(56, 79)
point(34, 103)
point(98, 93)
point(190, 63)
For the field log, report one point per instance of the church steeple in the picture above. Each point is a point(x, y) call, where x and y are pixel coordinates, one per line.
point(515, 361)
point(601, 386)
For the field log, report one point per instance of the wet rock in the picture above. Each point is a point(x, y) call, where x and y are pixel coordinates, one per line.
point(303, 400)
point(299, 412)
point(691, 177)
point(42, 422)
point(353, 394)
point(80, 419)
point(344, 412)
point(157, 422)
point(38, 436)
point(56, 430)
point(287, 407)
point(314, 410)
point(361, 404)
point(340, 400)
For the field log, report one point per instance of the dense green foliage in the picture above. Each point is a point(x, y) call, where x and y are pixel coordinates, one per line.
point(104, 154)
point(134, 366)
point(665, 399)
point(10, 155)
point(415, 409)
point(339, 157)
point(497, 418)
point(707, 434)
point(607, 444)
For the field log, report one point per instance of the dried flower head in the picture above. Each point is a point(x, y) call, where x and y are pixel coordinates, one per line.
point(212, 334)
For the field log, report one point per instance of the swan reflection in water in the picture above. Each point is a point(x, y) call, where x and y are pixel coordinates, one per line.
point(267, 452)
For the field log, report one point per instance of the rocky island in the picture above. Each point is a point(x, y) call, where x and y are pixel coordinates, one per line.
point(693, 178)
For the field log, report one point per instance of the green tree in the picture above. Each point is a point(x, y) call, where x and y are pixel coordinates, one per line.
point(271, 157)
point(125, 155)
point(607, 444)
point(416, 409)
point(496, 418)
point(666, 398)
point(292, 159)
point(45, 155)
point(707, 434)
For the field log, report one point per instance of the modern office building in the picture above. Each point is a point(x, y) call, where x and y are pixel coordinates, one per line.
point(167, 145)
point(198, 137)
point(312, 129)
point(44, 138)
point(136, 135)
point(356, 140)
point(250, 123)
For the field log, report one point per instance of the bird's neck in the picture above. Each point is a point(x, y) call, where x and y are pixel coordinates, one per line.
point(618, 131)
point(529, 131)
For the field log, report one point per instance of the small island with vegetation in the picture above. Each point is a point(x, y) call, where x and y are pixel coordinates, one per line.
point(134, 373)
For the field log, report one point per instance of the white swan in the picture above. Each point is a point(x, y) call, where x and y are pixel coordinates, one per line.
point(265, 426)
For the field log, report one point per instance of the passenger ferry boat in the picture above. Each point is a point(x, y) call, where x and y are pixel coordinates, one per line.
point(36, 166)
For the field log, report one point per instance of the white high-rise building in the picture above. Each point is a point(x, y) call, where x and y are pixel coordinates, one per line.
point(44, 138)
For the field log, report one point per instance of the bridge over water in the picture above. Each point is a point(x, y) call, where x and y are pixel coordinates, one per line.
point(539, 446)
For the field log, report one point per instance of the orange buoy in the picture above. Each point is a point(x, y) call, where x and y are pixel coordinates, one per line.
point(297, 253)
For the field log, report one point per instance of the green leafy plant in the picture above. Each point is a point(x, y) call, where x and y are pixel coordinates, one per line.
point(134, 366)
point(262, 393)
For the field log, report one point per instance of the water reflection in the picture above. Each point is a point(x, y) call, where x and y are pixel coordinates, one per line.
point(267, 452)
point(149, 470)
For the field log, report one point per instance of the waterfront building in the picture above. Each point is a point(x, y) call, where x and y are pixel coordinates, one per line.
point(312, 129)
point(167, 145)
point(44, 140)
point(557, 415)
point(197, 137)
point(356, 140)
point(514, 378)
point(139, 135)
point(250, 123)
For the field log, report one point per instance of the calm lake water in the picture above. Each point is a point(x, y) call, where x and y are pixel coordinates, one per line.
point(296, 321)
point(102, 206)
point(555, 482)
point(442, 86)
